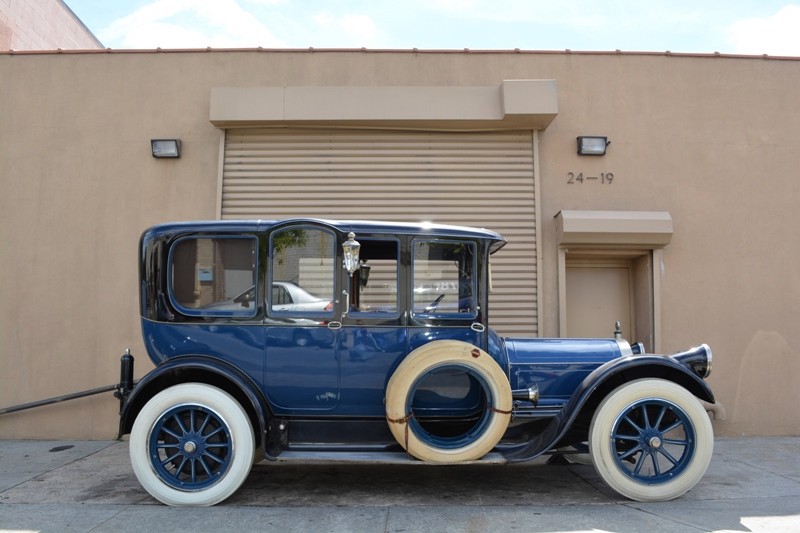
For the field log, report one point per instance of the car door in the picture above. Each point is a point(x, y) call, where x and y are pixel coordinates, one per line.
point(373, 339)
point(302, 360)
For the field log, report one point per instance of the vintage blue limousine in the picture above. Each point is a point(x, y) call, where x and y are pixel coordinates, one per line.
point(350, 340)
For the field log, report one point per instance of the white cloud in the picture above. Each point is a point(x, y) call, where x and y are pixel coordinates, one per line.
point(189, 24)
point(349, 30)
point(775, 35)
point(579, 14)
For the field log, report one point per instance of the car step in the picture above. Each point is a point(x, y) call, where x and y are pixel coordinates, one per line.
point(383, 458)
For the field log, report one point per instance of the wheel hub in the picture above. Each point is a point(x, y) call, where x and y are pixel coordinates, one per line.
point(655, 442)
point(189, 447)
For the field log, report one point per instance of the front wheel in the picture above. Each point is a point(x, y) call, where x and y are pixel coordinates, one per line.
point(651, 440)
point(192, 445)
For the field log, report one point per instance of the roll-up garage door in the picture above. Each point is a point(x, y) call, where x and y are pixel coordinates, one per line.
point(480, 179)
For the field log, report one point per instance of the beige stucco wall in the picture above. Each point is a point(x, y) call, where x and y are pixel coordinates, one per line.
point(711, 140)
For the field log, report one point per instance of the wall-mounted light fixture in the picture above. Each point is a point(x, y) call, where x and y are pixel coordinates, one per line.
point(169, 148)
point(591, 145)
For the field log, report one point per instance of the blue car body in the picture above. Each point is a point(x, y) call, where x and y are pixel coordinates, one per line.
point(317, 380)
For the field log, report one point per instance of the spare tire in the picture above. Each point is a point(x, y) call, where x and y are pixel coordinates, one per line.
point(481, 436)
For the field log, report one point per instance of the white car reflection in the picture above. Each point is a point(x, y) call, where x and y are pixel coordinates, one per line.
point(286, 297)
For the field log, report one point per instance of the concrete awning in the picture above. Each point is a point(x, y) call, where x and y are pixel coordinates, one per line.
point(514, 104)
point(638, 229)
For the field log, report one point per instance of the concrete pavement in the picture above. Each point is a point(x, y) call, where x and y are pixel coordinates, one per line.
point(752, 485)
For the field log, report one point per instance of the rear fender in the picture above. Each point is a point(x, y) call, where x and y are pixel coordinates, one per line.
point(199, 369)
point(598, 385)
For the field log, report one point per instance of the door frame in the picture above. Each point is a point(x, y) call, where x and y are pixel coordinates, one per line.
point(639, 236)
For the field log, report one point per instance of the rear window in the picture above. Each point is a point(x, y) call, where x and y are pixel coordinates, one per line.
point(214, 276)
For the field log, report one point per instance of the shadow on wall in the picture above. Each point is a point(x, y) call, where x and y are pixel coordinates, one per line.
point(760, 407)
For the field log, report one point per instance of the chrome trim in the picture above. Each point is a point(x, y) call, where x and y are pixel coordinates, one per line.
point(624, 348)
point(531, 394)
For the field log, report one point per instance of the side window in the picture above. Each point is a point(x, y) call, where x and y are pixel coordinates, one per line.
point(373, 288)
point(444, 282)
point(302, 266)
point(214, 276)
point(280, 296)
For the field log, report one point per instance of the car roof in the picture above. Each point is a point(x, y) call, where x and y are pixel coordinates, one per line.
point(356, 226)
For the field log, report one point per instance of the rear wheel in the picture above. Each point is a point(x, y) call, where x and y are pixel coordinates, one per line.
point(651, 440)
point(192, 444)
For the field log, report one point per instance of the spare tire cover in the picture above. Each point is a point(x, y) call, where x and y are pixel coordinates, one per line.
point(443, 354)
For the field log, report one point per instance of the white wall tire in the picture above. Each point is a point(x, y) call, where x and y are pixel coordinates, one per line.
point(429, 358)
point(651, 440)
point(191, 445)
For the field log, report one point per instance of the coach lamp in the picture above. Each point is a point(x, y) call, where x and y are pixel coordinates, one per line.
point(351, 248)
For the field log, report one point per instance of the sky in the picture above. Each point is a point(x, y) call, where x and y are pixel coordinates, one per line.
point(681, 26)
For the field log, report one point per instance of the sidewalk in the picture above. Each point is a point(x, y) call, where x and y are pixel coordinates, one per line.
point(752, 485)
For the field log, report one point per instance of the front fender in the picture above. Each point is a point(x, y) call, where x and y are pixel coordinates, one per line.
point(201, 369)
point(597, 385)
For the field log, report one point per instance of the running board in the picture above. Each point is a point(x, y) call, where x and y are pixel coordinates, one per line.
point(382, 458)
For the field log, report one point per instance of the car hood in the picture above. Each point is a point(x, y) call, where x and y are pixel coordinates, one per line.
point(530, 351)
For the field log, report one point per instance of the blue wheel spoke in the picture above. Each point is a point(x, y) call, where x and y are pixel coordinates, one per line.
point(640, 463)
point(660, 417)
point(645, 417)
point(629, 453)
point(668, 455)
point(177, 419)
point(620, 436)
point(204, 424)
point(170, 432)
point(225, 445)
point(170, 459)
point(180, 468)
point(676, 442)
point(654, 458)
point(674, 426)
point(193, 470)
point(205, 466)
point(221, 428)
point(191, 420)
point(633, 424)
point(213, 456)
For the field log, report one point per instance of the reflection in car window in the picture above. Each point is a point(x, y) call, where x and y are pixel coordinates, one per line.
point(373, 287)
point(302, 262)
point(443, 277)
point(280, 296)
point(214, 275)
